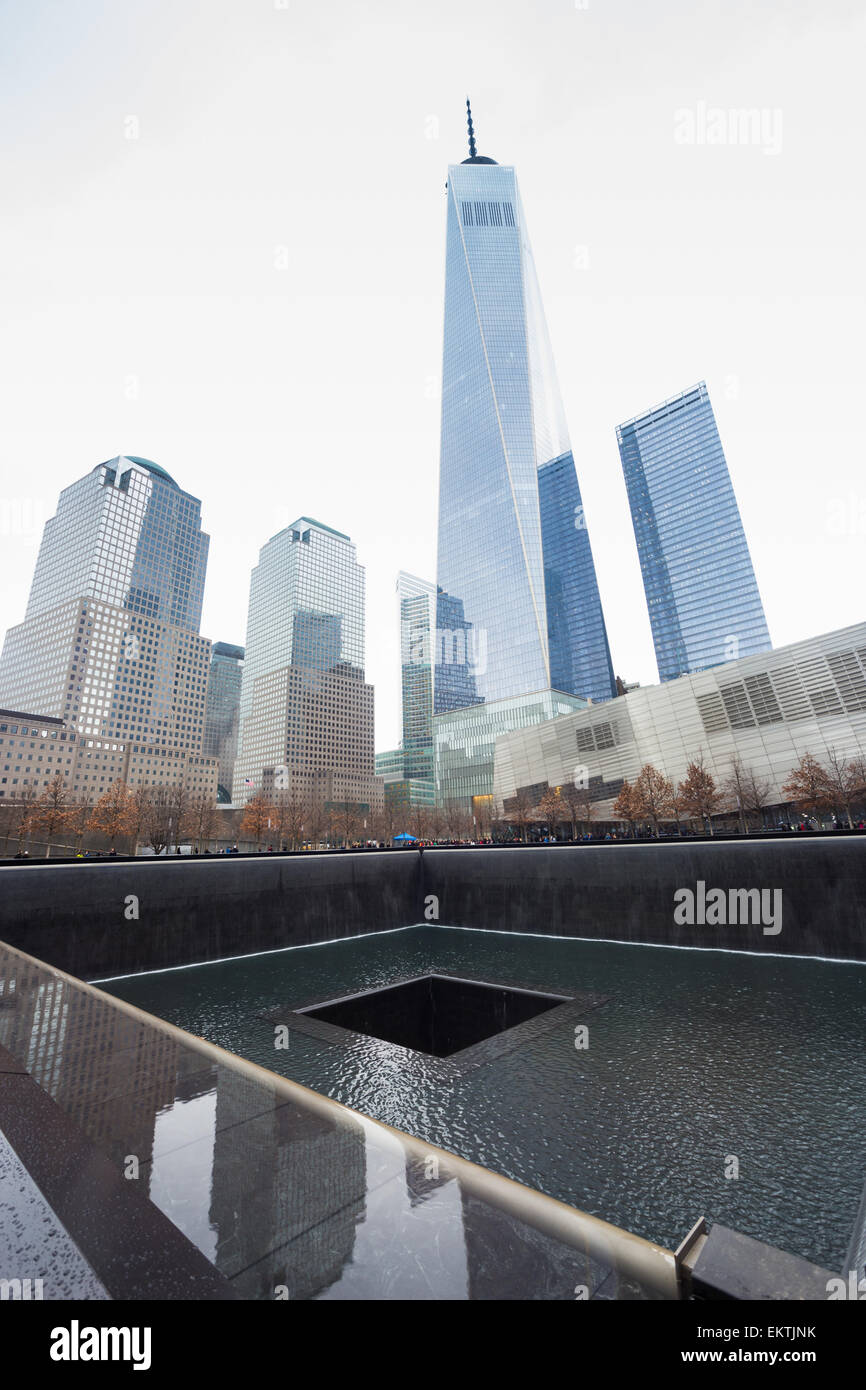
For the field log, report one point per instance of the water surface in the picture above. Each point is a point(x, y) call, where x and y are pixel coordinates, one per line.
point(702, 1063)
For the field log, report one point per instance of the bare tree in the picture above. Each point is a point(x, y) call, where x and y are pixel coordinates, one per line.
point(158, 823)
point(345, 822)
point(734, 789)
point(418, 821)
point(112, 815)
point(808, 786)
point(756, 794)
point(258, 818)
point(386, 821)
point(572, 802)
point(139, 813)
point(437, 822)
point(628, 807)
point(465, 824)
point(677, 809)
point(79, 817)
point(52, 813)
point(843, 782)
point(483, 817)
point(746, 791)
point(655, 795)
point(585, 809)
point(179, 801)
point(549, 810)
point(7, 822)
point(291, 808)
point(520, 813)
point(498, 822)
point(316, 821)
point(16, 818)
point(859, 766)
point(698, 796)
point(202, 819)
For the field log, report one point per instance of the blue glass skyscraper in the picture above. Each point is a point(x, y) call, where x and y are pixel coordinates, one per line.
point(514, 557)
point(703, 599)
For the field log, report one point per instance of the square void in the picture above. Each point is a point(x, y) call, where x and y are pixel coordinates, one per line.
point(435, 1014)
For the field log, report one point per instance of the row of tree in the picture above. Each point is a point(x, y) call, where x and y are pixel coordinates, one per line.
point(298, 820)
point(163, 817)
point(160, 817)
point(653, 799)
point(813, 788)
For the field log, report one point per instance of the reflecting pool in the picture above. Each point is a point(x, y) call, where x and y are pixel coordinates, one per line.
point(687, 1083)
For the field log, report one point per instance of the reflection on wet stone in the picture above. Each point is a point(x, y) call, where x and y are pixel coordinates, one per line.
point(287, 1201)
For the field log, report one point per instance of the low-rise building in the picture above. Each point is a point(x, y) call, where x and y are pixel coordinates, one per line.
point(768, 710)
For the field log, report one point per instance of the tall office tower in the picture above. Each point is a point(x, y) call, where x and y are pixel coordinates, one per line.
point(417, 600)
point(306, 713)
point(514, 553)
point(221, 715)
point(408, 770)
point(110, 641)
point(703, 599)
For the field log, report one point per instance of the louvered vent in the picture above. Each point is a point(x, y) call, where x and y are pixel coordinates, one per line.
point(737, 705)
point(764, 702)
point(713, 713)
point(599, 737)
point(819, 687)
point(850, 679)
point(790, 693)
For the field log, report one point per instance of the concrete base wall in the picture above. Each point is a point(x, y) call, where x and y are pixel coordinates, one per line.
point(79, 917)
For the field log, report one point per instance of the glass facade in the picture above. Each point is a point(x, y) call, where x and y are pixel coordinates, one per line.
point(519, 607)
point(408, 770)
point(306, 714)
point(417, 600)
point(703, 599)
point(465, 740)
point(222, 712)
point(513, 545)
point(110, 642)
point(125, 534)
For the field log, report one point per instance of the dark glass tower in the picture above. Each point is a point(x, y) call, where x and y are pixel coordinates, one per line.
point(221, 717)
point(514, 557)
point(703, 599)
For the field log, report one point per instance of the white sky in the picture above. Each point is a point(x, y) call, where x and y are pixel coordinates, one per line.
point(146, 312)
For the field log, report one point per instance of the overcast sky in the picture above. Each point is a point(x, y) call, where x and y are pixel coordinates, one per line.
point(223, 228)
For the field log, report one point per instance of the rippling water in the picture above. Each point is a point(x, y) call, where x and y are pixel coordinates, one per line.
point(697, 1056)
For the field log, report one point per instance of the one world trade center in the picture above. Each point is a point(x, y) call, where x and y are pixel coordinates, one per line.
point(521, 636)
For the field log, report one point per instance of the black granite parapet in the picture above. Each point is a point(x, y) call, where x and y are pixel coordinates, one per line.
point(97, 920)
point(627, 892)
point(136, 1252)
point(733, 1266)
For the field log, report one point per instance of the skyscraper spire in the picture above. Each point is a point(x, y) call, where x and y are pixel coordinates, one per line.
point(472, 150)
